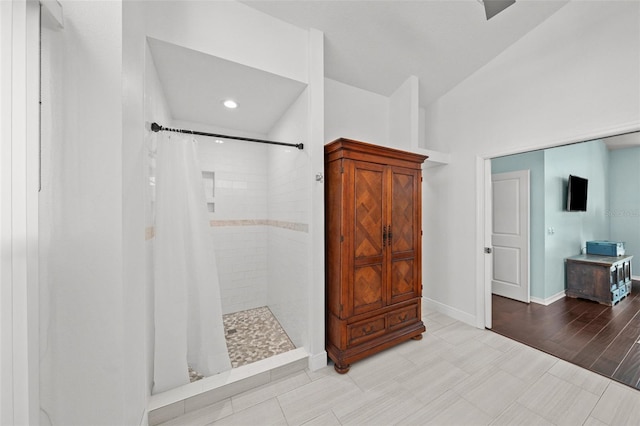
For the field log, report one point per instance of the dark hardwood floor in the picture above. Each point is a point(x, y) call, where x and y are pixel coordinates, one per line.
point(604, 339)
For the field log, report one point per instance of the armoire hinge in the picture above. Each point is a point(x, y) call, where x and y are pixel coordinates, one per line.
point(341, 238)
point(341, 169)
point(341, 307)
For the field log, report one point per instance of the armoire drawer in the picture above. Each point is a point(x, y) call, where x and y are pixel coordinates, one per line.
point(362, 331)
point(402, 317)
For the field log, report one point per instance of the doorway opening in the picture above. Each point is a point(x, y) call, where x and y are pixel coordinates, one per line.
point(579, 331)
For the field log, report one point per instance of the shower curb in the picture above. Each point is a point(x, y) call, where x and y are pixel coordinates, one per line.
point(171, 404)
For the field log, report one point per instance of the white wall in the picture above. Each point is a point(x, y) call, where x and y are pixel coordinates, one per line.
point(355, 114)
point(85, 378)
point(574, 77)
point(52, 133)
point(404, 115)
point(315, 249)
point(155, 109)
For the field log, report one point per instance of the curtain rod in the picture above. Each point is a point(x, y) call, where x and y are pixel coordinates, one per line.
point(157, 128)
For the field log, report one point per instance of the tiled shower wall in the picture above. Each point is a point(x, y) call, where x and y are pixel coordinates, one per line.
point(239, 221)
point(289, 246)
point(287, 296)
point(241, 255)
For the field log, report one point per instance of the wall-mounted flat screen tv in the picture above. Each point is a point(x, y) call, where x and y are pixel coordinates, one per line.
point(577, 194)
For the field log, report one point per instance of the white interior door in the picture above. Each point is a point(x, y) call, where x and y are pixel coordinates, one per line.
point(510, 235)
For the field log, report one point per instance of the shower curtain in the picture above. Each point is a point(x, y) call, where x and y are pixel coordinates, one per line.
point(188, 313)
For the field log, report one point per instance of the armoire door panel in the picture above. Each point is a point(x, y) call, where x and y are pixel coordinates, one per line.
point(403, 280)
point(368, 201)
point(367, 288)
point(403, 218)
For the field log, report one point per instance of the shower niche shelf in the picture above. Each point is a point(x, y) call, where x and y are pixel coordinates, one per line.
point(209, 180)
point(373, 214)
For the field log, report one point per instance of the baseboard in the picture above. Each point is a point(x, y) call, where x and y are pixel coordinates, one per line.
point(635, 277)
point(548, 300)
point(318, 361)
point(450, 311)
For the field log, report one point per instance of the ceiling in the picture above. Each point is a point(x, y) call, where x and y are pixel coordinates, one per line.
point(627, 140)
point(372, 45)
point(195, 84)
point(377, 45)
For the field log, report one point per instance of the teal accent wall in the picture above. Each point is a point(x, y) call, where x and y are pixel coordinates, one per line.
point(534, 162)
point(549, 172)
point(624, 201)
point(572, 230)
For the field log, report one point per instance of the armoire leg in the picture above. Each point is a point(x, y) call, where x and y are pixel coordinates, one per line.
point(342, 369)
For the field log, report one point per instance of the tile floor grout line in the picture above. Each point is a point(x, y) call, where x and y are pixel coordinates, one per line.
point(598, 402)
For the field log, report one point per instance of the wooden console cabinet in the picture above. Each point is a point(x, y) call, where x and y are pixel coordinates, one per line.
point(373, 215)
point(605, 279)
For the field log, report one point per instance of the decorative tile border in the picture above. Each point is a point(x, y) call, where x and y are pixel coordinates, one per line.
point(292, 226)
point(239, 222)
point(150, 232)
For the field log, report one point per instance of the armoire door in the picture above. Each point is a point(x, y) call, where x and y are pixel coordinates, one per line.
point(404, 235)
point(367, 237)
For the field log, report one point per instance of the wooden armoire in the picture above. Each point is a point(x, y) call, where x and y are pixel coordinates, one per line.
point(373, 243)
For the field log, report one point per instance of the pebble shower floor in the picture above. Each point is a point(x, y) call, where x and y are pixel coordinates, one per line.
point(252, 335)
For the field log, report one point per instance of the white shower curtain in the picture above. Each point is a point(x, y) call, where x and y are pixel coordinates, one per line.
point(188, 312)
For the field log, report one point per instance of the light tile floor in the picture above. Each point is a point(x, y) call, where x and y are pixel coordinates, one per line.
point(455, 375)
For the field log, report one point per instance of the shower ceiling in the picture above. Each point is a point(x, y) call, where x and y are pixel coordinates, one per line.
point(195, 85)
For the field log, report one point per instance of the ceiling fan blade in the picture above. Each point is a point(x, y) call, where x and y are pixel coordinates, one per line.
point(493, 7)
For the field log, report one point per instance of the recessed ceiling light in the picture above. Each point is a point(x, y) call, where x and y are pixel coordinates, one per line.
point(229, 103)
point(219, 141)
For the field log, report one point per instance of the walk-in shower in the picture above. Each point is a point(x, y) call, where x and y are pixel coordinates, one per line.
point(256, 196)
